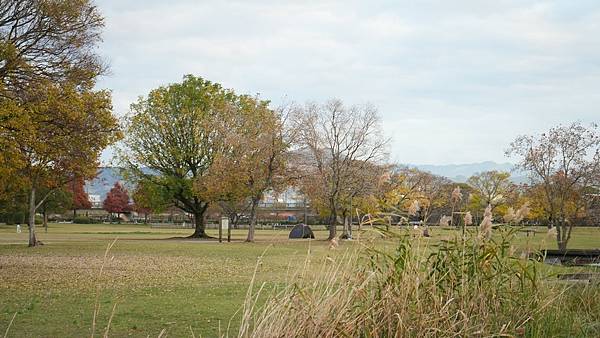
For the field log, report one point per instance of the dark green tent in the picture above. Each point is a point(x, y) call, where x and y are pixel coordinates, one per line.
point(301, 231)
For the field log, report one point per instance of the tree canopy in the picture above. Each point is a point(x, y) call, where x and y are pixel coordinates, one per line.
point(255, 159)
point(58, 137)
point(175, 134)
point(493, 187)
point(44, 40)
point(340, 143)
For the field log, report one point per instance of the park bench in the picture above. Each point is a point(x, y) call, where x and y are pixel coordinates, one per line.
point(580, 276)
point(572, 256)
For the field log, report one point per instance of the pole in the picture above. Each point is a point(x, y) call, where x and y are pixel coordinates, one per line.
point(221, 230)
point(305, 212)
point(228, 233)
point(351, 219)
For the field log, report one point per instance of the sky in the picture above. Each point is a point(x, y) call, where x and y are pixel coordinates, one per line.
point(454, 81)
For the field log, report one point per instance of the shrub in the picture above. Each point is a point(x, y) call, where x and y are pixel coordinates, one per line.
point(83, 220)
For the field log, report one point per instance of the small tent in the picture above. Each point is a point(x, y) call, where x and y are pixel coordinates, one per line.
point(301, 231)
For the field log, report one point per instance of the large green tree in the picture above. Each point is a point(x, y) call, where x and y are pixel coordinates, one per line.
point(147, 199)
point(173, 137)
point(57, 201)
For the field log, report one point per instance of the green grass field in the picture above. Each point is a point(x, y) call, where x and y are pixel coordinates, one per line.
point(155, 282)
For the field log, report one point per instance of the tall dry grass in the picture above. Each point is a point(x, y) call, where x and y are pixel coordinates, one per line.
point(466, 287)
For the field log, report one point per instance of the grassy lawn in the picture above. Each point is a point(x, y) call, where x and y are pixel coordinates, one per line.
point(156, 282)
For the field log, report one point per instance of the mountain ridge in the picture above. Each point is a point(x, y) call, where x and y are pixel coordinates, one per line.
point(460, 172)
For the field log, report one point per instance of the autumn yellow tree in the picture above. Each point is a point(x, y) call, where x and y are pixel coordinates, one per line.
point(48, 41)
point(493, 188)
point(406, 186)
point(359, 193)
point(400, 187)
point(433, 195)
point(254, 161)
point(42, 42)
point(62, 131)
point(53, 124)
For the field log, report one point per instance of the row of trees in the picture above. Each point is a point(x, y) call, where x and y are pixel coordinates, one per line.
point(563, 167)
point(196, 144)
point(143, 201)
point(13, 207)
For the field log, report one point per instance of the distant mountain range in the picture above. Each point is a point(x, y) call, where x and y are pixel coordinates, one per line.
point(104, 181)
point(461, 172)
point(107, 176)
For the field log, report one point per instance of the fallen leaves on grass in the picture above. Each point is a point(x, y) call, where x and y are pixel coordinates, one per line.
point(122, 271)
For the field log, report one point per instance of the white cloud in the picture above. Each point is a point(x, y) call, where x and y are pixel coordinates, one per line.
point(460, 79)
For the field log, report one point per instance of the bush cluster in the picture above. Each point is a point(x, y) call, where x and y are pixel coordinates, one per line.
point(83, 220)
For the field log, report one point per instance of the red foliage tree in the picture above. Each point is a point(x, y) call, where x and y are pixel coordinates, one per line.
point(117, 200)
point(81, 200)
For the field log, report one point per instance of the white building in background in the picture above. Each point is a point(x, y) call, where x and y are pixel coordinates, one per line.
point(290, 198)
point(96, 201)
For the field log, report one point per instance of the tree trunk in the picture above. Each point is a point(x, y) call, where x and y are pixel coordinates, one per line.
point(350, 227)
point(347, 232)
point(74, 214)
point(45, 220)
point(562, 238)
point(234, 219)
point(200, 227)
point(332, 224)
point(32, 239)
point(562, 245)
point(252, 225)
point(229, 232)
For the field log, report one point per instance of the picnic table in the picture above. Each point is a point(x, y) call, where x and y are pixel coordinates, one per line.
point(529, 231)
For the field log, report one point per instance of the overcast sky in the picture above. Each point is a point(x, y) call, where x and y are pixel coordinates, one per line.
point(454, 81)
